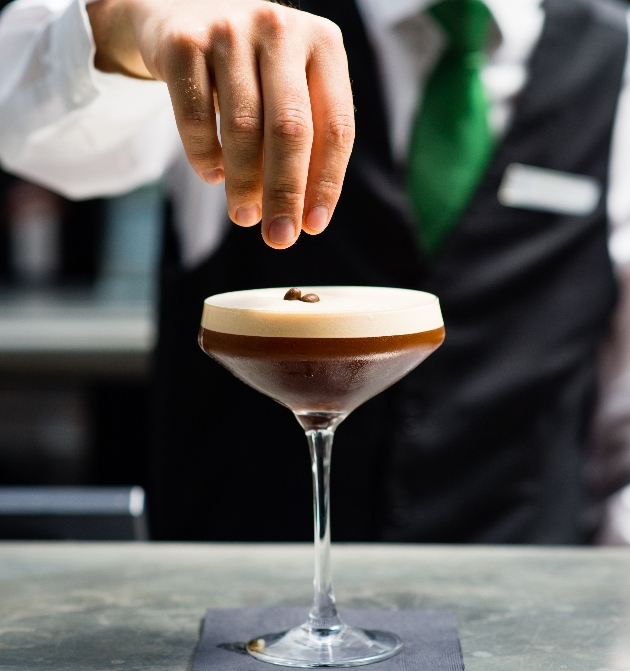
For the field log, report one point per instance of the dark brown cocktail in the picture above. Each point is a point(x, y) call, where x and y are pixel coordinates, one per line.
point(323, 357)
point(331, 375)
point(322, 354)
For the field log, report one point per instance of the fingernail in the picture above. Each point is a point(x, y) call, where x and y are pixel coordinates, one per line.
point(317, 218)
point(282, 231)
point(214, 176)
point(248, 215)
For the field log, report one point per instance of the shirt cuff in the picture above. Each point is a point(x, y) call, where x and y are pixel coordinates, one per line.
point(78, 81)
point(72, 52)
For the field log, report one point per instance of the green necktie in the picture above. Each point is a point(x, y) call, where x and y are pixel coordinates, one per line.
point(451, 142)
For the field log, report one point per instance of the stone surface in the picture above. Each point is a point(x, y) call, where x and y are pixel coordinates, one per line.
point(93, 607)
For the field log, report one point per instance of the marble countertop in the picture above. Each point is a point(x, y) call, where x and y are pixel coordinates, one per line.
point(99, 606)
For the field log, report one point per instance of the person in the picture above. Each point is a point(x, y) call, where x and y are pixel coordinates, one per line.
point(485, 441)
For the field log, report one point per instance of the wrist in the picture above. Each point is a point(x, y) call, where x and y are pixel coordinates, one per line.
point(114, 37)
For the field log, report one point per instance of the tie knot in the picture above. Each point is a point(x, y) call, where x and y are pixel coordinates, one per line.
point(465, 22)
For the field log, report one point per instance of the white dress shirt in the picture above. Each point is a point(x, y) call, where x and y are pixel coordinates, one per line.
point(85, 133)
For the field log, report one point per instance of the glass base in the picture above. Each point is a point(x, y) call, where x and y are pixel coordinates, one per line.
point(307, 648)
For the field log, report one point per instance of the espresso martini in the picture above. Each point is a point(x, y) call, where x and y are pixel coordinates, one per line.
point(327, 356)
point(322, 352)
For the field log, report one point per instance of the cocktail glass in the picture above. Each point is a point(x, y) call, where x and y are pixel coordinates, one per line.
point(321, 359)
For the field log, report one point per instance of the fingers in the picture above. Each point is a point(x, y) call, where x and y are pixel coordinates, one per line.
point(281, 80)
point(333, 122)
point(308, 130)
point(191, 91)
point(238, 91)
point(288, 134)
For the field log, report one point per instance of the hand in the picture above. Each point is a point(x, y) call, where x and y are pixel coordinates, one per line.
point(280, 79)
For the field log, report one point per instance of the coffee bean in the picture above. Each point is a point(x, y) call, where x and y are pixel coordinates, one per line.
point(310, 298)
point(293, 295)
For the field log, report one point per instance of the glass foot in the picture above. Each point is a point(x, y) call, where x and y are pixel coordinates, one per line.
point(307, 648)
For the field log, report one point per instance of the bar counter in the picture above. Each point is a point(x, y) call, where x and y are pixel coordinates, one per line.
point(98, 606)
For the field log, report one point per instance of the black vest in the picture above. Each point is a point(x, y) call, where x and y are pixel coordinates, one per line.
point(484, 441)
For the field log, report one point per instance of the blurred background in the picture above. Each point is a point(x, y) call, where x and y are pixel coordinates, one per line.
point(77, 326)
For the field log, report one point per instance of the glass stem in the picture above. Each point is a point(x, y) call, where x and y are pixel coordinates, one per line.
point(323, 618)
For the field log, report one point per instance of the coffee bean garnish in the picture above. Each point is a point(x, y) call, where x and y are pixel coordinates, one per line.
point(293, 295)
point(310, 298)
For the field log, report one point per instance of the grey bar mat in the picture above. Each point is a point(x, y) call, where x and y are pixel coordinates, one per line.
point(430, 637)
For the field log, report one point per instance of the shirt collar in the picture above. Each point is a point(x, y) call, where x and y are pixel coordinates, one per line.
point(506, 13)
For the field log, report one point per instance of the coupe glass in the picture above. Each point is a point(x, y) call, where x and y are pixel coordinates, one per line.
point(321, 356)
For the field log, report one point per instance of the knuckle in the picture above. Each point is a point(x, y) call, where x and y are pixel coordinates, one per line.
point(202, 148)
point(179, 45)
point(224, 38)
point(174, 51)
point(339, 131)
point(244, 122)
point(272, 20)
point(196, 117)
point(244, 185)
point(292, 125)
point(198, 154)
point(331, 34)
point(327, 37)
point(328, 186)
point(285, 195)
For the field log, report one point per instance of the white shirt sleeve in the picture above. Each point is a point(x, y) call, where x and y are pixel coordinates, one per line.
point(66, 125)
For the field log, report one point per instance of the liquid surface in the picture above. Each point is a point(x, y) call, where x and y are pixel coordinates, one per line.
point(341, 312)
point(329, 375)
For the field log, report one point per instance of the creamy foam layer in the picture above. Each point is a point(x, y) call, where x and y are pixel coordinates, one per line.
point(342, 312)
